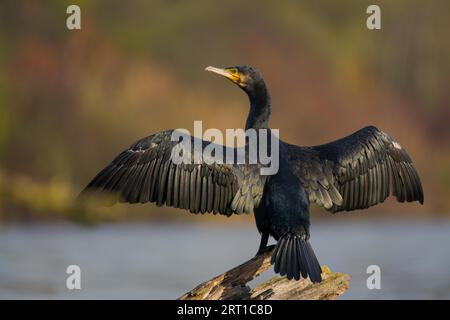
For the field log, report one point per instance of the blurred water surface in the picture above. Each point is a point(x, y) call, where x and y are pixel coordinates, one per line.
point(145, 261)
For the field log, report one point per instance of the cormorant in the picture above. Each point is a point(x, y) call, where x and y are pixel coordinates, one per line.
point(355, 172)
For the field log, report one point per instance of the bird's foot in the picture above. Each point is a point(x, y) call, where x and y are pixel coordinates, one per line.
point(265, 249)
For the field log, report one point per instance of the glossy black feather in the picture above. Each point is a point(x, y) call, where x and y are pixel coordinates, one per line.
point(145, 173)
point(382, 168)
point(294, 257)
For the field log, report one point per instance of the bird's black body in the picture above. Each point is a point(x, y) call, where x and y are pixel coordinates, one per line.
point(355, 172)
point(284, 214)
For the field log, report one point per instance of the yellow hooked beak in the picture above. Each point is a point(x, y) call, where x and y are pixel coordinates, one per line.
point(229, 73)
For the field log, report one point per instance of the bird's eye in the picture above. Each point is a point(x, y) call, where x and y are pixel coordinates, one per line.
point(234, 71)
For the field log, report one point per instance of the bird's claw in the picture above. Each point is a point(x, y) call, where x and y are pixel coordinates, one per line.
point(265, 249)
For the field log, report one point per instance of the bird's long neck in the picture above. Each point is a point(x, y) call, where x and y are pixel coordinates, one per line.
point(258, 117)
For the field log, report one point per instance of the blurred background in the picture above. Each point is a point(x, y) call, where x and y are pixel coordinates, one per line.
point(71, 100)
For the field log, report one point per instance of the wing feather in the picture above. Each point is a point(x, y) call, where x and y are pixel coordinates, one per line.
point(145, 173)
point(364, 168)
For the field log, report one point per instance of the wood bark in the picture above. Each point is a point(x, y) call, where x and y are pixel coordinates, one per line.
point(233, 284)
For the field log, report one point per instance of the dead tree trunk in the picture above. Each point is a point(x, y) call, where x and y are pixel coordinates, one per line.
point(233, 284)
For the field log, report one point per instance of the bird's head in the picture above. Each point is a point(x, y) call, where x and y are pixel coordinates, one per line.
point(249, 79)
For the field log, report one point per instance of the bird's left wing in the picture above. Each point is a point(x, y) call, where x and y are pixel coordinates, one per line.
point(357, 171)
point(146, 172)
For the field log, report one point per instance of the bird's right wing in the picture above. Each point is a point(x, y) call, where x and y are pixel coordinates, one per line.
point(145, 172)
point(357, 171)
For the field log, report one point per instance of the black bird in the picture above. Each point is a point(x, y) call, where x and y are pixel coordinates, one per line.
point(355, 172)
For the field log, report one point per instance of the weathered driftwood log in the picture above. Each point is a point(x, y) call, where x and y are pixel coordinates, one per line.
point(233, 284)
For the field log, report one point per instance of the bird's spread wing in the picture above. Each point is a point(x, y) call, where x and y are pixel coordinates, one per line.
point(145, 172)
point(356, 172)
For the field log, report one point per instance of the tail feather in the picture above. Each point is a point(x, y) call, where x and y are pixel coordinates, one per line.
point(301, 261)
point(294, 257)
point(285, 254)
point(295, 260)
point(290, 268)
point(276, 256)
point(316, 264)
